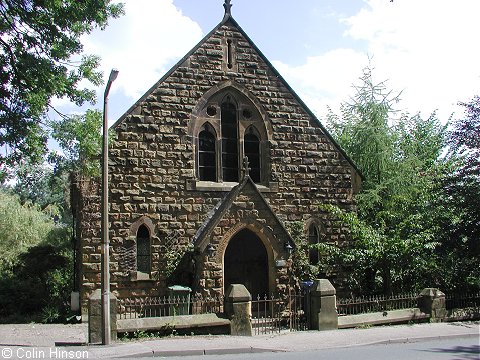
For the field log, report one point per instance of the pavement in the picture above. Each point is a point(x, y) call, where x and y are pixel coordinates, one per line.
point(69, 341)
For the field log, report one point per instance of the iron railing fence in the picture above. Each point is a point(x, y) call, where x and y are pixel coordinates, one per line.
point(457, 300)
point(156, 306)
point(265, 315)
point(375, 303)
point(272, 314)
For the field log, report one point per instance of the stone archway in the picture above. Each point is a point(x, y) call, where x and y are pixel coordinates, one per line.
point(246, 262)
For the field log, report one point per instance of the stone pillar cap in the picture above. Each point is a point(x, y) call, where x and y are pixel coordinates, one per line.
point(323, 287)
point(432, 292)
point(237, 293)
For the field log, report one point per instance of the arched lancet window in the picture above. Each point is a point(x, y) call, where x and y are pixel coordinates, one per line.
point(207, 157)
point(252, 151)
point(229, 141)
point(143, 250)
point(313, 239)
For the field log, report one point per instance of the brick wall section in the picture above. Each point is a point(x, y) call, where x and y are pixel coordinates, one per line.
point(152, 160)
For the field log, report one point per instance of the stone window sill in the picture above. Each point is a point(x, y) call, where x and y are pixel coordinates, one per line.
point(140, 276)
point(194, 185)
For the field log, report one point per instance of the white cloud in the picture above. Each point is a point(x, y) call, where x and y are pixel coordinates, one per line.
point(325, 80)
point(426, 48)
point(141, 43)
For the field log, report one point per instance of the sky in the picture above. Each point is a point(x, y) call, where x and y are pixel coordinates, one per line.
point(426, 49)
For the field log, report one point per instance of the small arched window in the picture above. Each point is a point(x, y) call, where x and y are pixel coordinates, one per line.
point(207, 158)
point(229, 141)
point(143, 250)
point(313, 239)
point(252, 151)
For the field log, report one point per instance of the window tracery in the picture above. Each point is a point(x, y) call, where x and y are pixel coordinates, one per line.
point(227, 126)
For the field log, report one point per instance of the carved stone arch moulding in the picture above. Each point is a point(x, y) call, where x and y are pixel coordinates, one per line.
point(267, 237)
point(228, 97)
point(208, 126)
point(318, 225)
point(143, 220)
point(313, 221)
point(252, 129)
point(234, 89)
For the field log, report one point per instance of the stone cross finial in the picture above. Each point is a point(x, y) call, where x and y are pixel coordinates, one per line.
point(228, 8)
point(246, 166)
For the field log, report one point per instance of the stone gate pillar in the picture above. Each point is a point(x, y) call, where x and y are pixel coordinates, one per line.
point(324, 314)
point(431, 301)
point(95, 317)
point(238, 307)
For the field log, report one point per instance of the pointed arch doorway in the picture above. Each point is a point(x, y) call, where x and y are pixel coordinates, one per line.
point(246, 262)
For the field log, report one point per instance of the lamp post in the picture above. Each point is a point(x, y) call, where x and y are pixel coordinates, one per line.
point(106, 336)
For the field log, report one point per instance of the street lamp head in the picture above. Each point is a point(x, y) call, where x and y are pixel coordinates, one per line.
point(210, 249)
point(111, 79)
point(113, 75)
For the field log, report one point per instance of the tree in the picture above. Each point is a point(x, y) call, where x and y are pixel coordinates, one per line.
point(459, 196)
point(364, 132)
point(21, 227)
point(401, 159)
point(80, 138)
point(35, 262)
point(40, 52)
point(363, 129)
point(47, 185)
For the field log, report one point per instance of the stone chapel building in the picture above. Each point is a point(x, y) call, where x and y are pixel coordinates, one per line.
point(186, 206)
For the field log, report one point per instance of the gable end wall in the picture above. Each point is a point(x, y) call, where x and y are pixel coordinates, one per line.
point(152, 161)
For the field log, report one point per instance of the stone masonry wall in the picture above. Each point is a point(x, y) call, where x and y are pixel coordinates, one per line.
point(86, 202)
point(152, 159)
point(246, 211)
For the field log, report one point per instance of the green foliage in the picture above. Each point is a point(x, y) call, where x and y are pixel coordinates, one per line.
point(302, 269)
point(396, 235)
point(80, 138)
point(48, 189)
point(380, 263)
point(35, 262)
point(363, 130)
point(165, 330)
point(457, 201)
point(176, 263)
point(21, 227)
point(41, 58)
point(38, 285)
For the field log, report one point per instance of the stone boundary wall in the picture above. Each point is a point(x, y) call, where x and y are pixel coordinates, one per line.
point(382, 318)
point(196, 324)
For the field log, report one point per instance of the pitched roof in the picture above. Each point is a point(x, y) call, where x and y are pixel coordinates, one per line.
point(218, 212)
point(228, 18)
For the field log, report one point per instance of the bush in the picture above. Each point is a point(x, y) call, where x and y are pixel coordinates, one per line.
point(38, 286)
